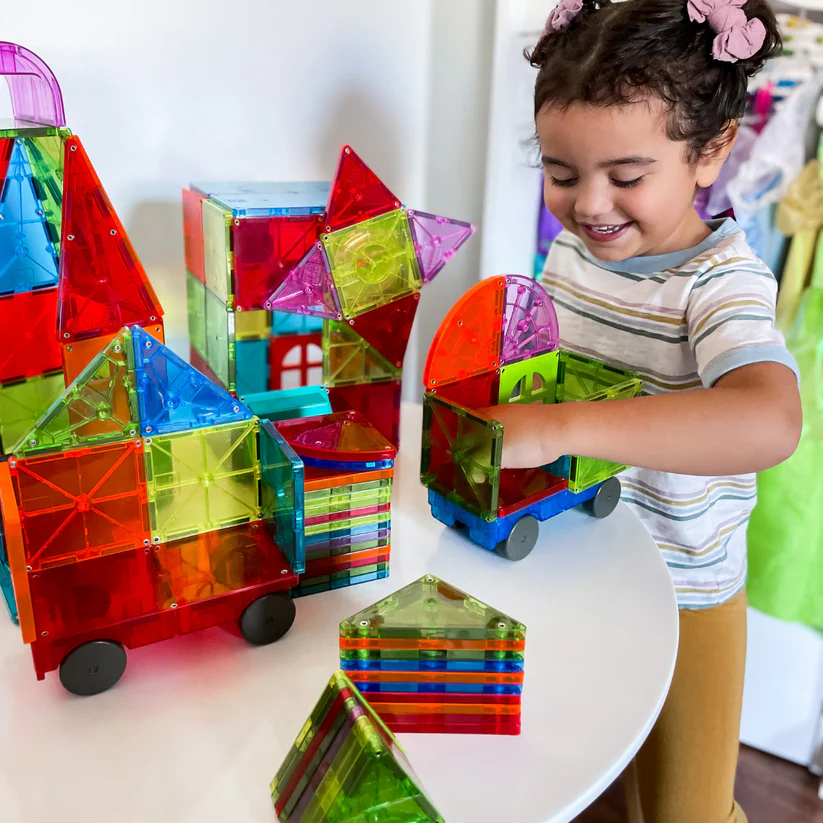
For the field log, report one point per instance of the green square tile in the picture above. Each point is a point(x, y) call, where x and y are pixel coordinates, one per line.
point(202, 480)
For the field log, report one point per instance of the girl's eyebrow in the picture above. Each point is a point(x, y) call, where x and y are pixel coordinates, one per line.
point(634, 160)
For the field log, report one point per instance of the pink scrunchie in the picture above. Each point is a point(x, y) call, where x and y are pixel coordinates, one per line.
point(737, 38)
point(562, 14)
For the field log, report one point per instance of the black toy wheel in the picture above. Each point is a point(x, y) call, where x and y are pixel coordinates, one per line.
point(267, 619)
point(93, 667)
point(605, 500)
point(521, 539)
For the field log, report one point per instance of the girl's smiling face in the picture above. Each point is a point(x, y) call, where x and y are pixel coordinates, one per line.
point(615, 179)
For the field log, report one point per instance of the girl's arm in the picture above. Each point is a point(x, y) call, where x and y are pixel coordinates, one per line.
point(748, 421)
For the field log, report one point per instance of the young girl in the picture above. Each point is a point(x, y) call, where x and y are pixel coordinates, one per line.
point(636, 107)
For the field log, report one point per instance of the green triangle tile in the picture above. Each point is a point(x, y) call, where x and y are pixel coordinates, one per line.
point(430, 608)
point(346, 767)
point(98, 407)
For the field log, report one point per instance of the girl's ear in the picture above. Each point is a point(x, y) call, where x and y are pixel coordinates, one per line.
point(714, 155)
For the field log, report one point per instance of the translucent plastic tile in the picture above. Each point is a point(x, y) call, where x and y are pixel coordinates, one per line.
point(28, 340)
point(337, 436)
point(320, 479)
point(533, 380)
point(252, 366)
point(47, 157)
point(453, 724)
point(103, 286)
point(430, 608)
point(529, 320)
point(348, 359)
point(193, 234)
point(266, 249)
point(79, 353)
point(295, 360)
point(522, 487)
point(98, 407)
point(15, 554)
point(217, 256)
point(6, 148)
point(22, 404)
point(344, 498)
point(268, 198)
point(353, 522)
point(582, 378)
point(439, 656)
point(309, 288)
point(35, 93)
point(461, 456)
point(420, 677)
point(196, 306)
point(220, 340)
point(202, 480)
point(388, 328)
point(286, 323)
point(315, 767)
point(117, 592)
point(436, 240)
point(173, 396)
point(253, 325)
point(282, 494)
point(28, 259)
point(478, 392)
point(82, 503)
point(373, 262)
point(6, 585)
point(306, 401)
point(357, 194)
point(379, 403)
point(468, 340)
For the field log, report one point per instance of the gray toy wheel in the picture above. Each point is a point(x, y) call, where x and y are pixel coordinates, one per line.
point(521, 540)
point(605, 500)
point(93, 667)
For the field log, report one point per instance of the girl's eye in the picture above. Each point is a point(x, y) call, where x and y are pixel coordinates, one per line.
point(565, 183)
point(628, 184)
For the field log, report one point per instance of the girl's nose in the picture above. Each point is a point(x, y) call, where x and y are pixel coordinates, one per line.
point(593, 201)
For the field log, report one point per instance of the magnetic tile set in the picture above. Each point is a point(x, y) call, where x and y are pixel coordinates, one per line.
point(144, 497)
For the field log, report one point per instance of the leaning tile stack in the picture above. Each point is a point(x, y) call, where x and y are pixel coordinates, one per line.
point(349, 468)
point(345, 766)
point(430, 658)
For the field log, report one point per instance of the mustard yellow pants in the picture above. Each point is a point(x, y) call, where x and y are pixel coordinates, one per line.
point(684, 773)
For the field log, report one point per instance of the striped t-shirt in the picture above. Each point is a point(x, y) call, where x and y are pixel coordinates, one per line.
point(680, 321)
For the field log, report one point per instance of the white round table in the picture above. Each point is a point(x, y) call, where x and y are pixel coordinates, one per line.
point(198, 726)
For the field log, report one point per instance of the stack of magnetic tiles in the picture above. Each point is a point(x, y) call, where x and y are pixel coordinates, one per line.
point(346, 766)
point(348, 474)
point(430, 658)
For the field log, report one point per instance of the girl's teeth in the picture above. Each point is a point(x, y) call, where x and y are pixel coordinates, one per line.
point(606, 229)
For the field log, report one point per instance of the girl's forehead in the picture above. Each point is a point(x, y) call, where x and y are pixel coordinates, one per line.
point(631, 128)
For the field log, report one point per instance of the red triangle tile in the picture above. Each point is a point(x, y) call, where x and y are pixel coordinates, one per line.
point(357, 193)
point(388, 327)
point(103, 286)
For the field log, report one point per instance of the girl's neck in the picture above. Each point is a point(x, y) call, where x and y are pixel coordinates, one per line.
point(691, 232)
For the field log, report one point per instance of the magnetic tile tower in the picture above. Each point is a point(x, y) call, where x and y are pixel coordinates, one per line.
point(147, 502)
point(431, 658)
point(56, 224)
point(347, 767)
point(294, 284)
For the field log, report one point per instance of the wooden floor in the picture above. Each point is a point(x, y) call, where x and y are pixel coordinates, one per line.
point(770, 790)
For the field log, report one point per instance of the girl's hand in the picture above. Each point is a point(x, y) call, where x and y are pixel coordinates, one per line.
point(533, 435)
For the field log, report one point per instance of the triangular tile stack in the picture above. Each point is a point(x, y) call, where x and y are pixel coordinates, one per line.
point(431, 658)
point(347, 766)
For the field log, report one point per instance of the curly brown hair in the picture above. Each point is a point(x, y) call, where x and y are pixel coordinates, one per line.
point(617, 53)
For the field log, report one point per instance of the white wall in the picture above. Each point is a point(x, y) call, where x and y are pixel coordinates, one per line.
point(165, 92)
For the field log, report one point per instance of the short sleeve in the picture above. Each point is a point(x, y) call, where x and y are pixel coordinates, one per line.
point(730, 319)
